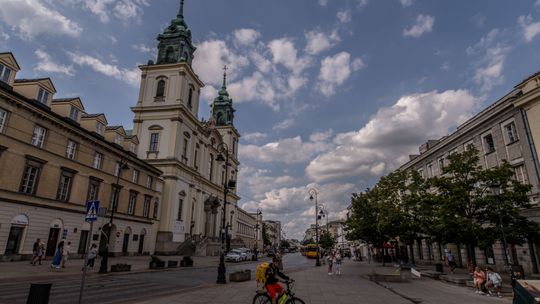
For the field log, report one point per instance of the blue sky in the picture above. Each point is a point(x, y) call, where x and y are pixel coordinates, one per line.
point(330, 94)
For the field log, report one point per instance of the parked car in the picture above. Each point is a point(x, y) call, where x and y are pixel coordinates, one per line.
point(246, 253)
point(234, 256)
point(271, 253)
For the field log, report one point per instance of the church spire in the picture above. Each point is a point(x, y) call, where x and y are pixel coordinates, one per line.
point(222, 109)
point(181, 11)
point(224, 85)
point(175, 42)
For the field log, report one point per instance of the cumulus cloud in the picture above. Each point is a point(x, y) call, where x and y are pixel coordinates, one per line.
point(323, 2)
point(285, 53)
point(344, 16)
point(31, 18)
point(143, 48)
point(284, 124)
point(47, 65)
point(530, 29)
point(128, 76)
point(335, 70)
point(255, 136)
point(246, 37)
point(423, 25)
point(386, 140)
point(319, 41)
point(406, 3)
point(212, 55)
point(124, 10)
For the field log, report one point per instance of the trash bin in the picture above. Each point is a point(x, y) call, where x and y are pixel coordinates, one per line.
point(39, 294)
point(438, 267)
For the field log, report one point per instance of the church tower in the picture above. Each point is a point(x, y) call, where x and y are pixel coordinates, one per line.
point(185, 149)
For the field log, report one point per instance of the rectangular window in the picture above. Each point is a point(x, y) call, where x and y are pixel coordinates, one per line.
point(180, 207)
point(38, 138)
point(146, 206)
point(30, 178)
point(43, 96)
point(71, 149)
point(135, 176)
point(74, 113)
point(115, 196)
point(156, 209)
point(154, 141)
point(64, 186)
point(133, 148)
point(5, 72)
point(489, 144)
point(117, 167)
point(3, 120)
point(93, 189)
point(211, 167)
point(99, 128)
point(149, 181)
point(98, 160)
point(430, 170)
point(511, 134)
point(521, 174)
point(184, 150)
point(196, 159)
point(441, 164)
point(118, 139)
point(131, 203)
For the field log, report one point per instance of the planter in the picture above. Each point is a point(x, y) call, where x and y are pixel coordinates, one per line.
point(172, 264)
point(186, 262)
point(240, 276)
point(120, 267)
point(157, 265)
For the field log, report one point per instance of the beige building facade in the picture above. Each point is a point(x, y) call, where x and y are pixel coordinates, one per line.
point(55, 157)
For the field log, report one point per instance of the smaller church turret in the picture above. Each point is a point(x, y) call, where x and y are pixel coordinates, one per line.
point(222, 108)
point(175, 42)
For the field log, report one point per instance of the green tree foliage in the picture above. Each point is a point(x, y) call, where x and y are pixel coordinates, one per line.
point(326, 240)
point(284, 244)
point(265, 237)
point(308, 241)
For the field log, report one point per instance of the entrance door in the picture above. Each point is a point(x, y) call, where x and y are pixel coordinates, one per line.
point(141, 244)
point(14, 239)
point(126, 243)
point(82, 242)
point(52, 241)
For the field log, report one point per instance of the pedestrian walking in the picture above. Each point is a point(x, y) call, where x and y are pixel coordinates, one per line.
point(337, 262)
point(494, 282)
point(37, 252)
point(330, 259)
point(57, 259)
point(92, 255)
point(451, 261)
point(65, 254)
point(479, 279)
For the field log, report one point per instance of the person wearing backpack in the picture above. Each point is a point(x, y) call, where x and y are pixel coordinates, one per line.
point(494, 282)
point(275, 289)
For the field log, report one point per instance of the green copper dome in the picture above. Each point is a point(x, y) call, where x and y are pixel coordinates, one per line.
point(175, 42)
point(222, 109)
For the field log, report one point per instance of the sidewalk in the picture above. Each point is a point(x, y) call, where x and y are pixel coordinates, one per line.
point(23, 271)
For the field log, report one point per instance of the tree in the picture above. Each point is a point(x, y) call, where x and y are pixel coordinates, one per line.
point(284, 244)
point(265, 237)
point(308, 241)
point(327, 241)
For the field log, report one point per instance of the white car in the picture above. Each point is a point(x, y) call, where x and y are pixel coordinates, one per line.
point(234, 256)
point(247, 255)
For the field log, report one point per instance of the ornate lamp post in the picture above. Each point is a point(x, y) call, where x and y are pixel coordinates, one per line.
point(257, 227)
point(496, 190)
point(103, 268)
point(313, 194)
point(223, 155)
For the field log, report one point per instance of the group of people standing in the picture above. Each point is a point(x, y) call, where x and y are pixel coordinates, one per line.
point(334, 260)
point(61, 255)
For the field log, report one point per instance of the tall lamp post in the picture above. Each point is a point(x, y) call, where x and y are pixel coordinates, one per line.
point(257, 227)
point(313, 194)
point(223, 155)
point(496, 190)
point(103, 268)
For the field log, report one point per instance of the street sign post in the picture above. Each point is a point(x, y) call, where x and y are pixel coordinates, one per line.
point(92, 213)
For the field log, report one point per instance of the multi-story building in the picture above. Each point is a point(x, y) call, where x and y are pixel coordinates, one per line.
point(501, 132)
point(198, 158)
point(245, 228)
point(54, 158)
point(311, 233)
point(258, 230)
point(273, 230)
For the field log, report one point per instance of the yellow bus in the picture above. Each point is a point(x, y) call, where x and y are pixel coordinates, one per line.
point(311, 250)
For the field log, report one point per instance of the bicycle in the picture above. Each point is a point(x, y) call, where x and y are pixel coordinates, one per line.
point(263, 297)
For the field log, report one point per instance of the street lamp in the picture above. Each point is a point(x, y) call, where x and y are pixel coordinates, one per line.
point(313, 193)
point(496, 190)
point(223, 149)
point(257, 227)
point(103, 268)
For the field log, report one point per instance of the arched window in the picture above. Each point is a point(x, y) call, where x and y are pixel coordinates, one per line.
point(190, 98)
point(169, 55)
point(160, 92)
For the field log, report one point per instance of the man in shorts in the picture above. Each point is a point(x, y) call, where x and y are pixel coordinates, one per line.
point(272, 283)
point(494, 282)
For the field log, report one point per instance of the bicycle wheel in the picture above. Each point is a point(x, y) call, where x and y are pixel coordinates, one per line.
point(262, 298)
point(295, 301)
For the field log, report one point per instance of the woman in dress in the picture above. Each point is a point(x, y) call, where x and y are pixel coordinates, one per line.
point(57, 259)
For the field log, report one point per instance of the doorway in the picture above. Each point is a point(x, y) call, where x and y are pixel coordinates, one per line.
point(125, 245)
point(82, 242)
point(141, 244)
point(14, 239)
point(52, 241)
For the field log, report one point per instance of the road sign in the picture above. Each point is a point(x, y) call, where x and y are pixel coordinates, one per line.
point(92, 209)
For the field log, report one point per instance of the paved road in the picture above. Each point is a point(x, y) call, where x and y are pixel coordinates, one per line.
point(127, 287)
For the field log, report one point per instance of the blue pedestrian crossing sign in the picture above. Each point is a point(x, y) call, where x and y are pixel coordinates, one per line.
point(92, 209)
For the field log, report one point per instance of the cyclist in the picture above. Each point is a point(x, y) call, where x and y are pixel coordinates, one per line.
point(272, 283)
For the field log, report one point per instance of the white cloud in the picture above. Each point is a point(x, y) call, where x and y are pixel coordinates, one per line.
point(46, 64)
point(530, 29)
point(128, 76)
point(362, 2)
point(124, 10)
point(255, 136)
point(246, 37)
point(323, 2)
point(424, 24)
point(344, 16)
point(335, 71)
point(537, 3)
point(283, 125)
point(99, 8)
point(143, 48)
point(31, 18)
point(3, 35)
point(284, 52)
point(387, 139)
point(406, 3)
point(318, 41)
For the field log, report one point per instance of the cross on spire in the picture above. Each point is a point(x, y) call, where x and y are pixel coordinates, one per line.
point(225, 75)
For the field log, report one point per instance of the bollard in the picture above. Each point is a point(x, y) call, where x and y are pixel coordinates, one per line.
point(39, 294)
